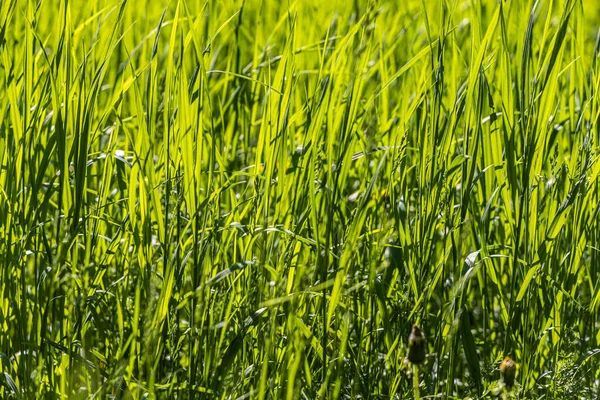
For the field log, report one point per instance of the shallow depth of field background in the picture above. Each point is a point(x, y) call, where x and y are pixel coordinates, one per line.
point(257, 199)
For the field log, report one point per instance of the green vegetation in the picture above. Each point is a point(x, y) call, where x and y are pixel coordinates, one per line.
point(259, 198)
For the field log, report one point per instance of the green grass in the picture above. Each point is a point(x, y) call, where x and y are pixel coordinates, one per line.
point(258, 198)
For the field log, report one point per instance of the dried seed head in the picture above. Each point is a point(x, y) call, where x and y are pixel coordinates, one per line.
point(508, 369)
point(416, 346)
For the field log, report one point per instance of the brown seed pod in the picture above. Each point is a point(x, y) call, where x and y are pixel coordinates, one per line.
point(508, 369)
point(416, 346)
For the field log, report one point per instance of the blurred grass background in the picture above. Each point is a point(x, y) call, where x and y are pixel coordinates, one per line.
point(257, 199)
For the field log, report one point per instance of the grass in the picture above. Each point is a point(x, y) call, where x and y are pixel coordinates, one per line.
point(258, 198)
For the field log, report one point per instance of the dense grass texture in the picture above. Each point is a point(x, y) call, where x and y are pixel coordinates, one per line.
point(238, 199)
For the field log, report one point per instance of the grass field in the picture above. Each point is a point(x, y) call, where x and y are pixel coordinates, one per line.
point(257, 199)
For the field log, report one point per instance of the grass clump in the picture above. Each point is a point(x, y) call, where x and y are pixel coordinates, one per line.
point(256, 198)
